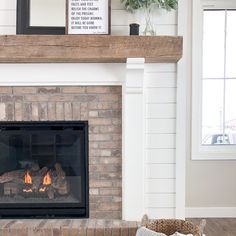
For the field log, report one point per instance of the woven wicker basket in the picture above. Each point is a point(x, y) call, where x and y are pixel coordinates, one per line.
point(171, 226)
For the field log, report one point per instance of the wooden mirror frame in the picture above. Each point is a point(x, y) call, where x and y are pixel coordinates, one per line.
point(23, 22)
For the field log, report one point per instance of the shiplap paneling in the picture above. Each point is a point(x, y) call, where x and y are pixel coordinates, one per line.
point(158, 68)
point(160, 156)
point(7, 4)
point(122, 17)
point(160, 89)
point(161, 95)
point(154, 186)
point(161, 80)
point(161, 213)
point(160, 200)
point(165, 171)
point(161, 141)
point(120, 30)
point(161, 29)
point(161, 126)
point(7, 17)
point(8, 30)
point(160, 111)
point(117, 5)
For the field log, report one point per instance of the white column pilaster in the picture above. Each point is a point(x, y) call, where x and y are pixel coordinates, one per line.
point(133, 140)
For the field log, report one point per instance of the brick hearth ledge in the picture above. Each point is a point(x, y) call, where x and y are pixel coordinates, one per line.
point(68, 227)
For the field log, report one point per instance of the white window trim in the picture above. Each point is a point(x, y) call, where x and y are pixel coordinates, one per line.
point(200, 152)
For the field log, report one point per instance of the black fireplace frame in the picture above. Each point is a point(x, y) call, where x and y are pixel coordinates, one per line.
point(49, 210)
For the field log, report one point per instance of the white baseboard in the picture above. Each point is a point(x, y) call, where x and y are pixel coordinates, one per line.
point(211, 212)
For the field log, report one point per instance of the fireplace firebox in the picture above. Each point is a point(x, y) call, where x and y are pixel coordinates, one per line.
point(44, 169)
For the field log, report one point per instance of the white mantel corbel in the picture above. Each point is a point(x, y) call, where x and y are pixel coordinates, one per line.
point(133, 140)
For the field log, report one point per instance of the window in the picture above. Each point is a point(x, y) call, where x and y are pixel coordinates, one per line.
point(214, 80)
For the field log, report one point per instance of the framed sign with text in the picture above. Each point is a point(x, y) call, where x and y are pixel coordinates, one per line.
point(88, 16)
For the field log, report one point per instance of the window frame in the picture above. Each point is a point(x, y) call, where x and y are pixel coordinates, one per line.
point(199, 151)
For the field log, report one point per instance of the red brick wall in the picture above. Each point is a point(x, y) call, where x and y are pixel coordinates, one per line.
point(101, 106)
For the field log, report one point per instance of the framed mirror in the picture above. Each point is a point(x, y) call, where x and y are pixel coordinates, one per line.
point(41, 16)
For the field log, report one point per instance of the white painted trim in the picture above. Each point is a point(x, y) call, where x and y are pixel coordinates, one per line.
point(181, 109)
point(219, 4)
point(61, 74)
point(196, 109)
point(133, 142)
point(135, 63)
point(211, 212)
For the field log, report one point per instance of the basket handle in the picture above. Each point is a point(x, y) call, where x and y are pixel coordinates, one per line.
point(202, 226)
point(144, 220)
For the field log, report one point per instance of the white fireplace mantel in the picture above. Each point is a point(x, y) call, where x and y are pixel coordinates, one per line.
point(130, 76)
point(50, 49)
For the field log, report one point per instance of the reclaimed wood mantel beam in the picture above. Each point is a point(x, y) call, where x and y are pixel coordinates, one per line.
point(99, 48)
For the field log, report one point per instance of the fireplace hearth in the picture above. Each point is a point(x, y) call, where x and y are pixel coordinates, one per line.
point(44, 169)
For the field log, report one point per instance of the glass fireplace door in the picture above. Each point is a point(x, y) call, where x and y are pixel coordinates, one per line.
point(43, 166)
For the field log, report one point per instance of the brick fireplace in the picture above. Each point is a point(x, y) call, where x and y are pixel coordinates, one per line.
point(101, 106)
point(149, 183)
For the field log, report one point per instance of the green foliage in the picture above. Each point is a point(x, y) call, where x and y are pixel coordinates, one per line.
point(132, 5)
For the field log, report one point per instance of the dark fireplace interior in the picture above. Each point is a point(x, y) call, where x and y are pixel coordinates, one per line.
point(44, 169)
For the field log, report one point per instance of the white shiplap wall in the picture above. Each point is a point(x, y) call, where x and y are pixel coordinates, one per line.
point(160, 100)
point(160, 93)
point(7, 16)
point(120, 19)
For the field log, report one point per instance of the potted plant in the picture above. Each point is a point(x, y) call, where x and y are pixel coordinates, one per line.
point(148, 6)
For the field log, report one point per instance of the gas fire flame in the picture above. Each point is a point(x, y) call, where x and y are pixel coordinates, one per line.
point(43, 189)
point(27, 190)
point(28, 179)
point(47, 180)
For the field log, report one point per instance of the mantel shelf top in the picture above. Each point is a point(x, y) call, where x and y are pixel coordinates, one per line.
point(89, 49)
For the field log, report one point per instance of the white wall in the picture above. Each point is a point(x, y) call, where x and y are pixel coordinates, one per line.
point(160, 92)
point(160, 103)
point(120, 19)
point(8, 17)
